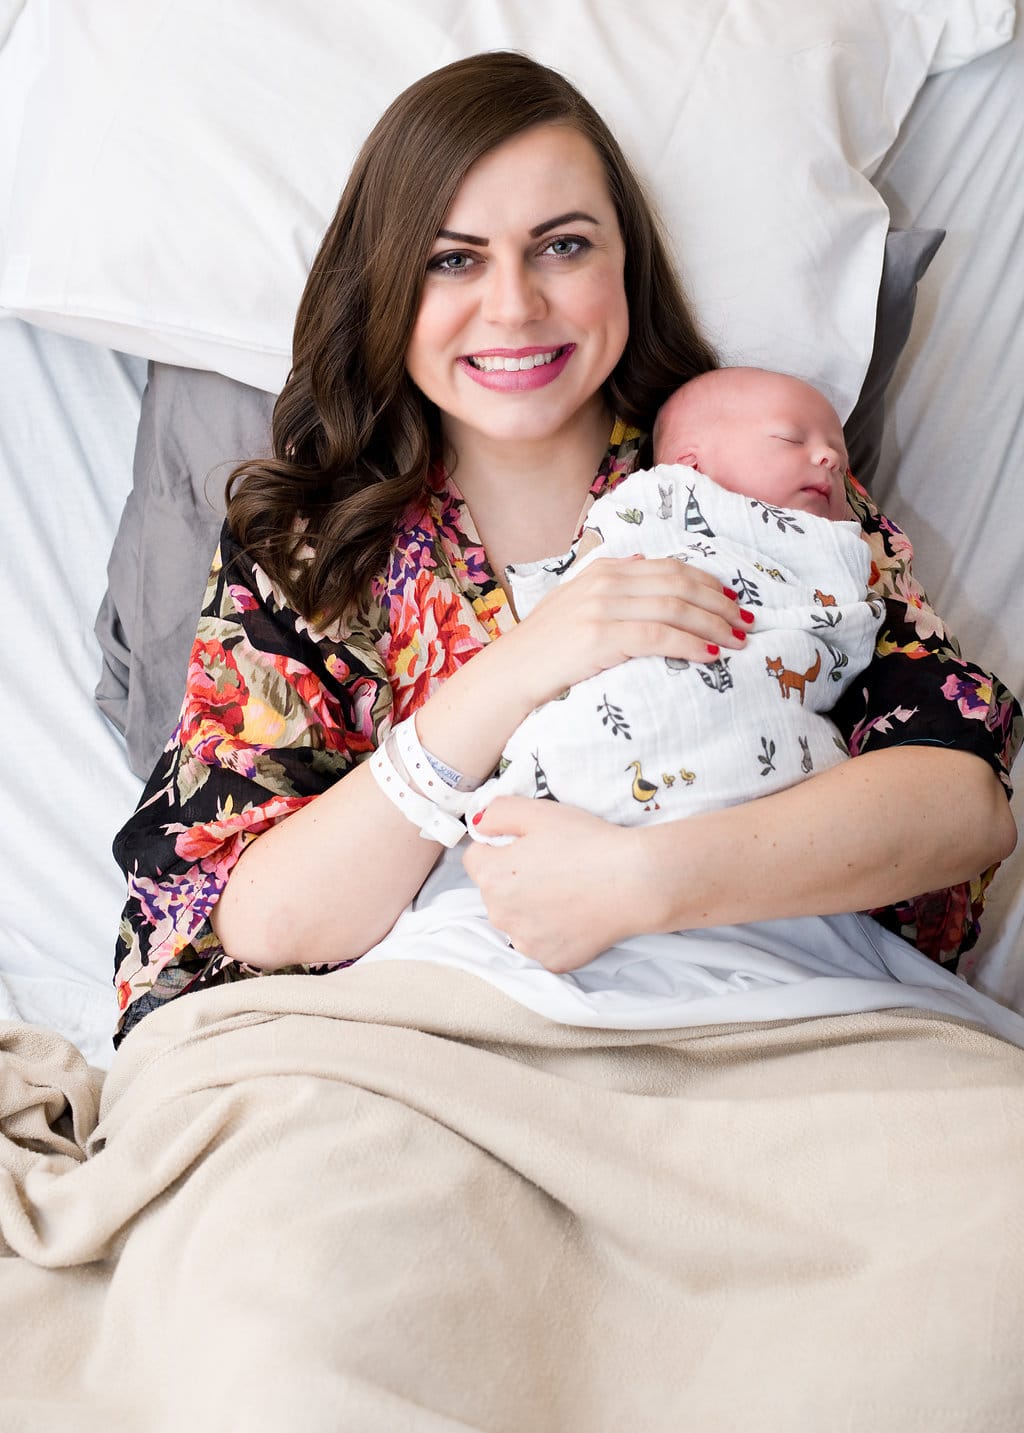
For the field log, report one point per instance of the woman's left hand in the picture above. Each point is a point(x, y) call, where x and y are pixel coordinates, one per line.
point(561, 890)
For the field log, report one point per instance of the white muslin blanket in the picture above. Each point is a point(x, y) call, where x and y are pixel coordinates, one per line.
point(656, 738)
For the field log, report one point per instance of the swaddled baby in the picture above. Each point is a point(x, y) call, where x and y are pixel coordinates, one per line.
point(748, 485)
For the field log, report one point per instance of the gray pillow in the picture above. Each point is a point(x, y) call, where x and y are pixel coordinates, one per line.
point(195, 426)
point(908, 252)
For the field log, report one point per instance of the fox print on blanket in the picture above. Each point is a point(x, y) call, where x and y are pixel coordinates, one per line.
point(793, 681)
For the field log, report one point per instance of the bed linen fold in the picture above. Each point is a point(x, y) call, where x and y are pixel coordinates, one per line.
point(396, 1199)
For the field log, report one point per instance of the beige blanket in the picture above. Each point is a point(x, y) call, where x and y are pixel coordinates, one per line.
point(394, 1200)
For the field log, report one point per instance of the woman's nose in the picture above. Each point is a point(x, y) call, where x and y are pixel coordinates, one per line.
point(513, 294)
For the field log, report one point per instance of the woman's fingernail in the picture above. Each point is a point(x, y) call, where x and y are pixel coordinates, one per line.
point(712, 649)
point(741, 635)
point(730, 593)
point(476, 818)
point(747, 616)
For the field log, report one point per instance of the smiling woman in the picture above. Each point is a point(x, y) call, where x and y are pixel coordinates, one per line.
point(491, 218)
point(358, 670)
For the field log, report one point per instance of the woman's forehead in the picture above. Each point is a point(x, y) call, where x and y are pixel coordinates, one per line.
point(530, 179)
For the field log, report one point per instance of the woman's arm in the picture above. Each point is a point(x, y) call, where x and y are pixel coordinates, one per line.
point(866, 833)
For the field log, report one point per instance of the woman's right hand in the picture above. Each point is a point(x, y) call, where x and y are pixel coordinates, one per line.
point(615, 608)
point(620, 607)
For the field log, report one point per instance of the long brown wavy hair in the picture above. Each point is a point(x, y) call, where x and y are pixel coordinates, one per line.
point(353, 438)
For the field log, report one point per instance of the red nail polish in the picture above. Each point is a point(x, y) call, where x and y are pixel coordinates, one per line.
point(741, 635)
point(747, 616)
point(730, 593)
point(476, 818)
point(712, 649)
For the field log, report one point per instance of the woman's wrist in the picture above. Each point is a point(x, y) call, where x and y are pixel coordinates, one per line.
point(467, 722)
point(665, 876)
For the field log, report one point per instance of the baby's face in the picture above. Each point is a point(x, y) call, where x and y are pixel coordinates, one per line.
point(762, 434)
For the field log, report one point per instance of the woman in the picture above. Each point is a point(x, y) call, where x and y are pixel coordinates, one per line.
point(524, 233)
point(521, 1224)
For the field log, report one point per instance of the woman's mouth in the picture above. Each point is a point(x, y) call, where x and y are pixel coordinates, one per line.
point(519, 370)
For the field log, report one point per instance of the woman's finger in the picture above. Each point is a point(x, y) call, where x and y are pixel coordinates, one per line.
point(680, 582)
point(508, 816)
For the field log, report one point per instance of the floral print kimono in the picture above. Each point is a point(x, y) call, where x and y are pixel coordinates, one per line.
point(276, 711)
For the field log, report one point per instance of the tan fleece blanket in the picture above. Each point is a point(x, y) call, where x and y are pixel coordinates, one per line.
point(395, 1200)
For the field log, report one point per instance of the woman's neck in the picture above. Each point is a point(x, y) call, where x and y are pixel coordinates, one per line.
point(526, 498)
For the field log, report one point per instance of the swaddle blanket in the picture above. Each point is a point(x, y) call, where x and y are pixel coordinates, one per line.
point(657, 737)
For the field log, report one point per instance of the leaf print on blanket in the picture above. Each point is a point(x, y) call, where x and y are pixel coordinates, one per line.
point(746, 590)
point(614, 719)
point(783, 517)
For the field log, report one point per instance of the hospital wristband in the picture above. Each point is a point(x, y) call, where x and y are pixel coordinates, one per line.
point(434, 824)
point(421, 770)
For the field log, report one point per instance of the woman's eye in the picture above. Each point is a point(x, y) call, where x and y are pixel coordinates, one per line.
point(566, 247)
point(450, 264)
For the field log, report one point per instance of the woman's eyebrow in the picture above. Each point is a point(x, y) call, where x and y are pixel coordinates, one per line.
point(535, 232)
point(462, 238)
point(570, 218)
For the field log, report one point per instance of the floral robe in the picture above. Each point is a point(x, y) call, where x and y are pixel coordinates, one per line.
point(276, 711)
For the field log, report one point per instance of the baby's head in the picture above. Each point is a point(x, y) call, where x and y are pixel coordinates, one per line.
point(763, 434)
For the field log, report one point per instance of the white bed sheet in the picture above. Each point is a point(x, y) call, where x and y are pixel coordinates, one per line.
point(952, 467)
point(68, 413)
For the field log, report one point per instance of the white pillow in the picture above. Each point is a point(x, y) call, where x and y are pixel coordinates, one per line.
point(9, 10)
point(179, 162)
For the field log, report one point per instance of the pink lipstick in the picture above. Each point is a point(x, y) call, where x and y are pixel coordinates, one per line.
point(517, 370)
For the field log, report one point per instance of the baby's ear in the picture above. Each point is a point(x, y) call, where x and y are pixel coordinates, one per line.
point(689, 459)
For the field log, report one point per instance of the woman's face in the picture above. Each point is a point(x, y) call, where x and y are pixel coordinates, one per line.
point(523, 313)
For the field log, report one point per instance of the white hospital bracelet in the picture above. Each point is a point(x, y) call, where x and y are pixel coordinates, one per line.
point(422, 773)
point(434, 824)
